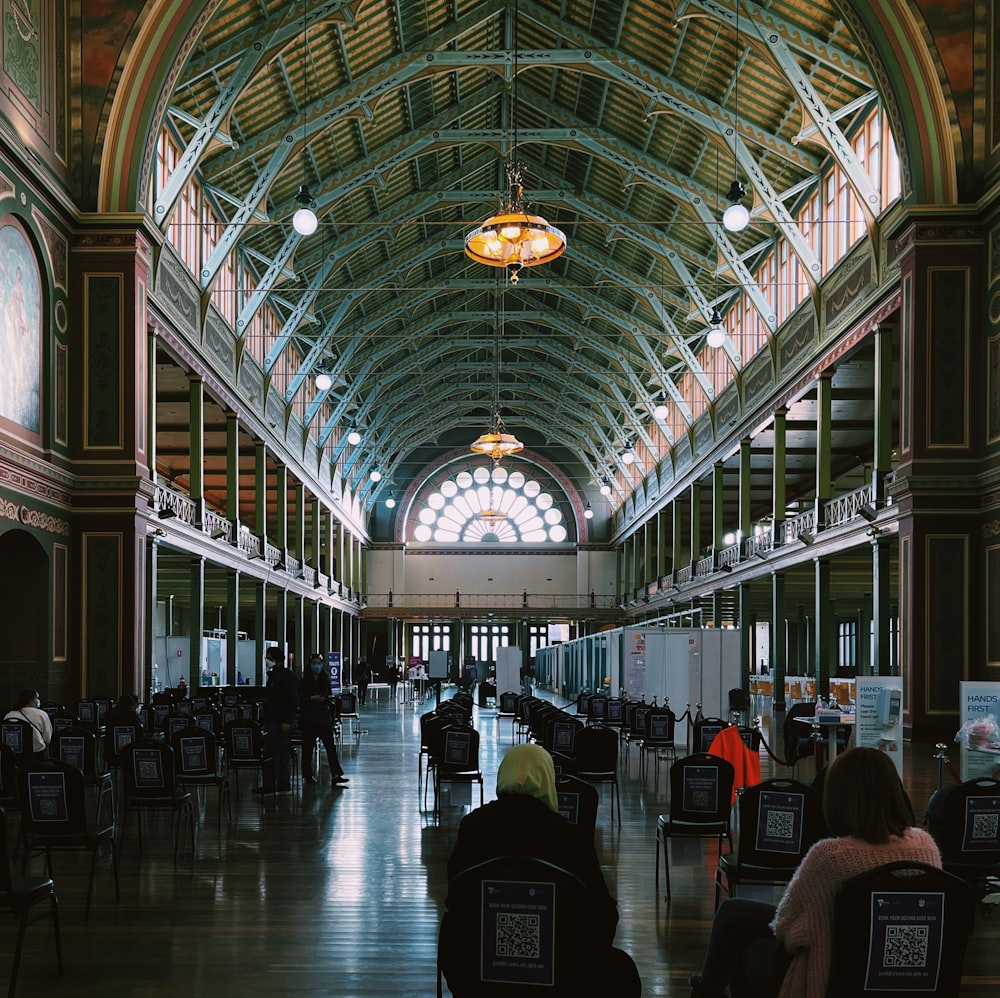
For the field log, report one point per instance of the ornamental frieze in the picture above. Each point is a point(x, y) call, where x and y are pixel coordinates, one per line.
point(33, 518)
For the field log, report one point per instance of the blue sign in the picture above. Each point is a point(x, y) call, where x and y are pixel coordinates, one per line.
point(336, 672)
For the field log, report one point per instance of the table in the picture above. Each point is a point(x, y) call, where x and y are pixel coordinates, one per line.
point(831, 721)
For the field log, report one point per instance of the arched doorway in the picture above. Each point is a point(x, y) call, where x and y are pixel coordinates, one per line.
point(25, 641)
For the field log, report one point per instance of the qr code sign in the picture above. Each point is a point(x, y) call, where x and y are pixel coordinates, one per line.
point(699, 799)
point(905, 946)
point(518, 936)
point(147, 771)
point(780, 824)
point(984, 826)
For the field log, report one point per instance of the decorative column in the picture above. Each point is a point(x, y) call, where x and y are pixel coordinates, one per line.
point(197, 622)
point(779, 642)
point(298, 539)
point(884, 367)
point(826, 627)
point(196, 448)
point(280, 538)
point(779, 500)
point(233, 474)
point(718, 514)
point(260, 496)
point(824, 428)
point(745, 524)
point(232, 625)
point(881, 606)
point(260, 614)
point(695, 493)
point(678, 539)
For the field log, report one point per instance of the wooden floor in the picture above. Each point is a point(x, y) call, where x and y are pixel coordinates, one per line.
point(340, 892)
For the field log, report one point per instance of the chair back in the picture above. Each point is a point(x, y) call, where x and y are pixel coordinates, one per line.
point(87, 711)
point(177, 722)
point(348, 704)
point(118, 734)
point(658, 727)
point(780, 820)
point(903, 928)
point(596, 750)
point(561, 732)
point(18, 734)
point(243, 740)
point(515, 905)
point(578, 801)
point(508, 703)
point(704, 732)
point(77, 747)
point(635, 718)
point(8, 771)
point(6, 875)
point(597, 709)
point(751, 737)
point(162, 710)
point(457, 750)
point(148, 769)
point(210, 719)
point(615, 715)
point(581, 702)
point(54, 799)
point(701, 788)
point(971, 828)
point(196, 753)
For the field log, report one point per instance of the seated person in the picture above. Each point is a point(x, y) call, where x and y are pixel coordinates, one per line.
point(760, 952)
point(524, 820)
point(28, 708)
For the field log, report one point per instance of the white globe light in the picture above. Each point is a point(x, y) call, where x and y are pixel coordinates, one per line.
point(588, 513)
point(390, 503)
point(716, 337)
point(627, 457)
point(661, 411)
point(375, 475)
point(304, 221)
point(605, 489)
point(323, 381)
point(353, 438)
point(736, 217)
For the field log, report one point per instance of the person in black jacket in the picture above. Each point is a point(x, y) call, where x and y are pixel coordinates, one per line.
point(281, 703)
point(524, 821)
point(317, 722)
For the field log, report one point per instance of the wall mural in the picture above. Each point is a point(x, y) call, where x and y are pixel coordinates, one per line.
point(20, 330)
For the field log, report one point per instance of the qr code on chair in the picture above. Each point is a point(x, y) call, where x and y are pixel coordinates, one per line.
point(780, 824)
point(905, 946)
point(984, 826)
point(518, 936)
point(700, 800)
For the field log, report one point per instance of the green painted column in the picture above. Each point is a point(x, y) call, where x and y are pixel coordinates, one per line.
point(778, 479)
point(882, 606)
point(648, 571)
point(620, 572)
point(824, 430)
point(298, 538)
point(196, 446)
point(826, 627)
point(746, 626)
point(233, 473)
point(329, 550)
point(677, 554)
point(197, 621)
point(315, 545)
point(260, 496)
point(779, 641)
point(695, 525)
point(281, 634)
point(718, 512)
point(746, 522)
point(298, 635)
point(280, 539)
point(232, 625)
point(661, 544)
point(145, 690)
point(884, 366)
point(260, 635)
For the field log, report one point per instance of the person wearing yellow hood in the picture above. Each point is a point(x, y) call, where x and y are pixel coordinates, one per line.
point(524, 820)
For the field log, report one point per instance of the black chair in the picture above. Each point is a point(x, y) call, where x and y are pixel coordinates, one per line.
point(243, 748)
point(903, 929)
point(522, 708)
point(597, 761)
point(348, 705)
point(55, 815)
point(561, 730)
point(704, 732)
point(196, 753)
point(657, 737)
point(78, 747)
point(8, 779)
point(88, 712)
point(739, 705)
point(614, 716)
point(455, 759)
point(150, 778)
point(635, 725)
point(578, 801)
point(19, 895)
point(597, 709)
point(507, 709)
point(581, 702)
point(18, 734)
point(780, 820)
point(490, 906)
point(701, 791)
point(970, 844)
point(431, 722)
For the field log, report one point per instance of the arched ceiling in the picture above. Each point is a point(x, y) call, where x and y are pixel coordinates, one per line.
point(631, 118)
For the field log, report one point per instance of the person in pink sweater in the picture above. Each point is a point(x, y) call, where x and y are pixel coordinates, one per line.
point(758, 951)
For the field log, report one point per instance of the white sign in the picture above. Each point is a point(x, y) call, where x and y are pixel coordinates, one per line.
point(879, 712)
point(979, 735)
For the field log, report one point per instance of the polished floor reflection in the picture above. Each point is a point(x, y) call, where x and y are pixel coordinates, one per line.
point(339, 892)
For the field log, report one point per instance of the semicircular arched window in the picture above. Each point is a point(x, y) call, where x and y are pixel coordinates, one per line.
point(489, 506)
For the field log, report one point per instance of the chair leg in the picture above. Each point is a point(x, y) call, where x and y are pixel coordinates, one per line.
point(56, 930)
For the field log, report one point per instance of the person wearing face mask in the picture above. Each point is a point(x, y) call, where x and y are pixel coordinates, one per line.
point(317, 722)
point(28, 707)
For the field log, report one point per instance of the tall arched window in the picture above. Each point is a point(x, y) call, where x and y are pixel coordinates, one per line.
point(489, 506)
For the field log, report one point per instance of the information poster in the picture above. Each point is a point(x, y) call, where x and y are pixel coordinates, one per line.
point(906, 934)
point(71, 751)
point(47, 796)
point(518, 944)
point(879, 716)
point(701, 788)
point(334, 664)
point(979, 735)
point(779, 822)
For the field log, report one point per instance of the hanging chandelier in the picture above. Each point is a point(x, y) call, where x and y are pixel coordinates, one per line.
point(491, 517)
point(513, 239)
point(496, 443)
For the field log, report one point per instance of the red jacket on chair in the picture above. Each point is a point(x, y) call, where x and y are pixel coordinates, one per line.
point(746, 764)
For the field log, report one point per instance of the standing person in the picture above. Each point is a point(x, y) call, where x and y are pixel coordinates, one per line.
point(524, 820)
point(317, 722)
point(760, 952)
point(280, 705)
point(364, 678)
point(28, 707)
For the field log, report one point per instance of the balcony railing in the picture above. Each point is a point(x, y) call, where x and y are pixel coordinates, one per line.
point(799, 527)
point(492, 601)
point(170, 503)
point(847, 507)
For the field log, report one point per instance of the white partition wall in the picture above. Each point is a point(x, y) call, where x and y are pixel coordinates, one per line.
point(508, 669)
